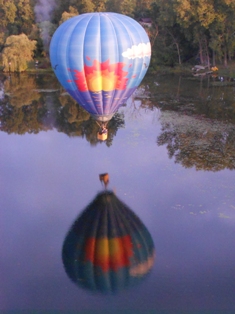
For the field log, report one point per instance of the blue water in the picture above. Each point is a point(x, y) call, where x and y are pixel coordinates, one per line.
point(47, 179)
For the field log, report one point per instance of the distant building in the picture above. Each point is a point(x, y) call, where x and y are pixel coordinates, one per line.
point(145, 21)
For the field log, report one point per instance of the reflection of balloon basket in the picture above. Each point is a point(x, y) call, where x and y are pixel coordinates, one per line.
point(102, 135)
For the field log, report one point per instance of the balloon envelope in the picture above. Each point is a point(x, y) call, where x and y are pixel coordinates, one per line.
point(108, 248)
point(100, 59)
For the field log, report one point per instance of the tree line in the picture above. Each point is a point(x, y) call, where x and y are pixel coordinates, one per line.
point(180, 31)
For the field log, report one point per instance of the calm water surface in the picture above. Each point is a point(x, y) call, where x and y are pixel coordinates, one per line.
point(170, 157)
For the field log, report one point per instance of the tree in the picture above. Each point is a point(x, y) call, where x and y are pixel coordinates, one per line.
point(222, 31)
point(142, 6)
point(67, 15)
point(86, 6)
point(126, 7)
point(25, 16)
point(7, 18)
point(7, 12)
point(18, 51)
point(195, 18)
point(164, 20)
point(166, 35)
point(100, 5)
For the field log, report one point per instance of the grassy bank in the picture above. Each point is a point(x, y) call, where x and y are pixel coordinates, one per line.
point(186, 69)
point(44, 65)
point(228, 71)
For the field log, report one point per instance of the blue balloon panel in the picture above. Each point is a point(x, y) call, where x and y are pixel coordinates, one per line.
point(100, 59)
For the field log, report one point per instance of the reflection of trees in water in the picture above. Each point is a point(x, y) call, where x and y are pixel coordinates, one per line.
point(26, 110)
point(73, 120)
point(21, 90)
point(206, 97)
point(197, 118)
point(200, 143)
point(20, 120)
point(141, 104)
point(22, 106)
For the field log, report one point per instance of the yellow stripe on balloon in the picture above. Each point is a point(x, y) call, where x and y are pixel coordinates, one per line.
point(109, 253)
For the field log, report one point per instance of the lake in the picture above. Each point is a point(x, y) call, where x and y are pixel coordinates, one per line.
point(170, 158)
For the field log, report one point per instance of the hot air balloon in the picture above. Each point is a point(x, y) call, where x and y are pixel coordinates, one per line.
point(100, 59)
point(108, 248)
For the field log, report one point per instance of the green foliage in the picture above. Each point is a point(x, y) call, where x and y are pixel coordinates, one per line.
point(67, 15)
point(7, 12)
point(163, 53)
point(126, 7)
point(86, 6)
point(17, 52)
point(143, 6)
point(25, 16)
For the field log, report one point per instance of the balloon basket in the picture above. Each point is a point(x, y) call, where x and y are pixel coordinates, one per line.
point(102, 136)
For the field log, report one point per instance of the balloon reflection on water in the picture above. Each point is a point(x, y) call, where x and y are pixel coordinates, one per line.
point(108, 248)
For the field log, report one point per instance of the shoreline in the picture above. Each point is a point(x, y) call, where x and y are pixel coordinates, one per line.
point(185, 69)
